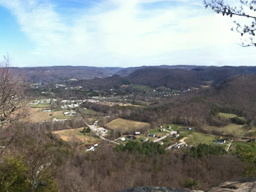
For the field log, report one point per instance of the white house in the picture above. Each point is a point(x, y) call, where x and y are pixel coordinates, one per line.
point(91, 148)
point(122, 139)
point(173, 132)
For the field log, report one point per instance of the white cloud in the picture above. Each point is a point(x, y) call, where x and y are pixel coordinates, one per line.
point(121, 32)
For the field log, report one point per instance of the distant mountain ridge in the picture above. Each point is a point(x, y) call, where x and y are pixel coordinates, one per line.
point(169, 76)
point(175, 77)
point(60, 73)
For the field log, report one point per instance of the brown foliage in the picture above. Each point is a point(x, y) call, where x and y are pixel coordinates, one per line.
point(107, 170)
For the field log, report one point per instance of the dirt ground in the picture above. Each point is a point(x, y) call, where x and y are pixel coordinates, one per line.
point(75, 135)
point(37, 115)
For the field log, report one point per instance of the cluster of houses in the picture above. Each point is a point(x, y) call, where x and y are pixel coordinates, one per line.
point(69, 113)
point(169, 133)
point(42, 101)
point(57, 86)
point(70, 104)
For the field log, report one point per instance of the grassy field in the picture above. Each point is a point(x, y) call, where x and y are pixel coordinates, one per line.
point(195, 138)
point(227, 115)
point(37, 115)
point(251, 146)
point(75, 135)
point(252, 132)
point(230, 115)
point(231, 129)
point(41, 105)
point(158, 133)
point(89, 112)
point(169, 141)
point(126, 125)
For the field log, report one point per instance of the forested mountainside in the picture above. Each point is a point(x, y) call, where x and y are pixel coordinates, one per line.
point(198, 107)
point(178, 79)
point(175, 77)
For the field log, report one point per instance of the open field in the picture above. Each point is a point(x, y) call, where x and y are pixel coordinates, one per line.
point(195, 138)
point(75, 135)
point(252, 132)
point(231, 129)
point(176, 127)
point(157, 132)
point(227, 115)
point(37, 115)
point(126, 125)
point(230, 115)
point(41, 105)
point(89, 112)
point(249, 145)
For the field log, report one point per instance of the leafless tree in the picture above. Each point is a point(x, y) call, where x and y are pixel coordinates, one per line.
point(245, 13)
point(11, 92)
point(12, 100)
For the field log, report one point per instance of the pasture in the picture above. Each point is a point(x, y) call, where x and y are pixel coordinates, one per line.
point(124, 125)
point(230, 129)
point(36, 115)
point(196, 138)
point(76, 135)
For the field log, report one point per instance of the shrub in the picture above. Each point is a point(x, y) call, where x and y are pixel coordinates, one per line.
point(191, 183)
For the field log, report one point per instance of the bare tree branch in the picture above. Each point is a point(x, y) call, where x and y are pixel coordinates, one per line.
point(12, 100)
point(246, 10)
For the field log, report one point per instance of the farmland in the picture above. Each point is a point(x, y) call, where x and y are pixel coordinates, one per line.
point(76, 135)
point(39, 115)
point(230, 129)
point(196, 138)
point(124, 125)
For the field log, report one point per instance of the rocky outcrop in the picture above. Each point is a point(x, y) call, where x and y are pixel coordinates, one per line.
point(236, 186)
point(157, 189)
point(154, 189)
point(248, 185)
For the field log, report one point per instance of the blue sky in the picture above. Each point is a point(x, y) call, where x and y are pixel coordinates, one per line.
point(118, 33)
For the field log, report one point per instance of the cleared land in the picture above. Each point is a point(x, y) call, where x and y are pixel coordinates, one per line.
point(230, 115)
point(158, 133)
point(250, 146)
point(196, 138)
point(126, 125)
point(227, 115)
point(231, 129)
point(76, 135)
point(37, 115)
point(41, 105)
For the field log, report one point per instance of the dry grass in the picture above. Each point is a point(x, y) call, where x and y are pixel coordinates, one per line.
point(231, 129)
point(37, 115)
point(126, 125)
point(227, 115)
point(75, 135)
